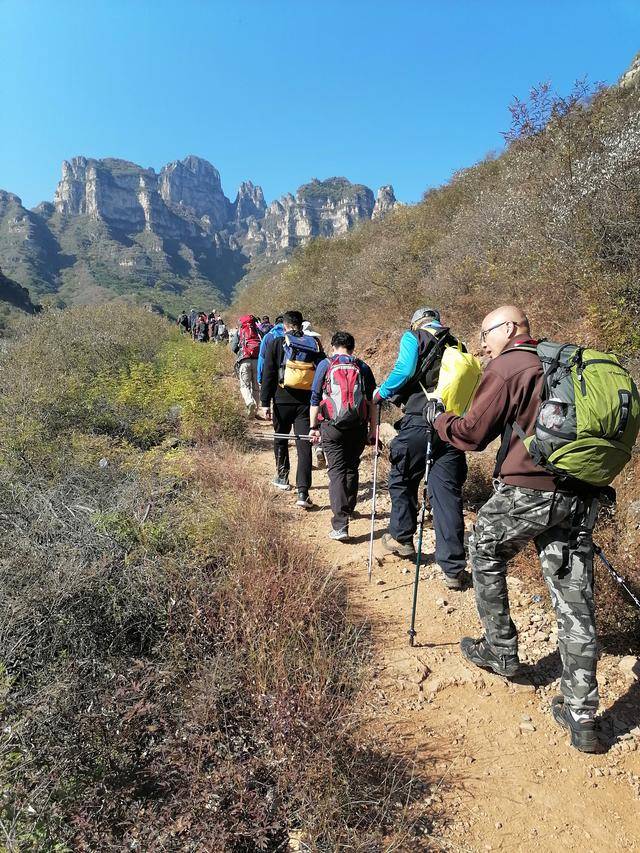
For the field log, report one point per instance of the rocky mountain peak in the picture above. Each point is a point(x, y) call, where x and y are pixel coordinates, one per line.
point(385, 202)
point(631, 76)
point(195, 184)
point(119, 227)
point(249, 201)
point(7, 199)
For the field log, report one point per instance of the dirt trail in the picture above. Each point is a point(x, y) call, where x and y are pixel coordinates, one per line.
point(500, 772)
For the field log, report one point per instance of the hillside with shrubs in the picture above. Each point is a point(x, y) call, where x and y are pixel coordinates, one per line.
point(552, 224)
point(178, 671)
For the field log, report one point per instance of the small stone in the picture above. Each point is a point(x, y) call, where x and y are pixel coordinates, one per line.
point(380, 582)
point(527, 727)
point(526, 719)
point(498, 824)
point(441, 602)
point(630, 667)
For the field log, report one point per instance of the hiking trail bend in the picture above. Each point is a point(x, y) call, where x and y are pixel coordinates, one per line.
point(500, 773)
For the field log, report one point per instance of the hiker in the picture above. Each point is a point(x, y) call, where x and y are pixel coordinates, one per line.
point(529, 504)
point(245, 343)
point(276, 331)
point(183, 322)
point(414, 375)
point(265, 325)
point(222, 333)
point(289, 369)
point(212, 325)
point(201, 330)
point(193, 316)
point(318, 452)
point(341, 405)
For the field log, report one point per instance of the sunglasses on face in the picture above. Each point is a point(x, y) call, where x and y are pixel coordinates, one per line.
point(485, 332)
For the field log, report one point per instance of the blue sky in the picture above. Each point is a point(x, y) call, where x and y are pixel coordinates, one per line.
point(280, 91)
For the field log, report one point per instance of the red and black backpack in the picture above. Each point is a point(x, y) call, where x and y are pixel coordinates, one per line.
point(249, 337)
point(344, 403)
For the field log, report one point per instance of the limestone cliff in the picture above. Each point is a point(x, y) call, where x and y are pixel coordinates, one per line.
point(118, 228)
point(385, 202)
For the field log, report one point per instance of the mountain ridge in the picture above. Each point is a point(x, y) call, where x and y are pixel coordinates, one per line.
point(117, 229)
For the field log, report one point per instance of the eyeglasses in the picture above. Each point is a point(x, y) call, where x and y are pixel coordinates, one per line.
point(485, 332)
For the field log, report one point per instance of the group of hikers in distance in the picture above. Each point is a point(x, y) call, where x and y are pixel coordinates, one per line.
point(568, 417)
point(204, 327)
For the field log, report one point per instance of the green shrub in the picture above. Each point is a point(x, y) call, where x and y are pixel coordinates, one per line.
point(115, 370)
point(178, 670)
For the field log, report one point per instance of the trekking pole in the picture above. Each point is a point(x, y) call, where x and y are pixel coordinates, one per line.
point(281, 435)
point(376, 456)
point(617, 578)
point(423, 513)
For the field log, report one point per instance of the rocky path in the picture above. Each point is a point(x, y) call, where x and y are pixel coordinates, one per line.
point(498, 772)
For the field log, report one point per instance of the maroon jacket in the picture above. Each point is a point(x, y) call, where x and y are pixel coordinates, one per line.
point(508, 391)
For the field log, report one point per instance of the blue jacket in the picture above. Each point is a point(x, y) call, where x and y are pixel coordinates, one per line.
point(404, 368)
point(406, 363)
point(276, 332)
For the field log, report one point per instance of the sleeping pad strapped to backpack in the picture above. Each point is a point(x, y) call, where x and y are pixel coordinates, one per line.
point(589, 414)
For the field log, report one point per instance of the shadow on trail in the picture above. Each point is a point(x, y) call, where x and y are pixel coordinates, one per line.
point(542, 672)
point(622, 716)
point(364, 537)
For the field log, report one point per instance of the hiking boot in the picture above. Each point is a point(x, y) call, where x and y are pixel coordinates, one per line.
point(402, 549)
point(304, 500)
point(339, 535)
point(480, 653)
point(321, 459)
point(457, 582)
point(281, 483)
point(584, 734)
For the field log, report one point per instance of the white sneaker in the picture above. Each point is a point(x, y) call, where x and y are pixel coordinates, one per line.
point(339, 535)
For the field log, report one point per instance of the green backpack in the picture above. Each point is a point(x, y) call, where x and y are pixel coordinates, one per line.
point(589, 414)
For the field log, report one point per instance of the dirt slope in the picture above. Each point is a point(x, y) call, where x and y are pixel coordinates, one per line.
point(500, 774)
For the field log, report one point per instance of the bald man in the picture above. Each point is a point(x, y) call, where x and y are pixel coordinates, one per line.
point(528, 504)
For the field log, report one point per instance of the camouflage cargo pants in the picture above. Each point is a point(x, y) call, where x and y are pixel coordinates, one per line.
point(560, 525)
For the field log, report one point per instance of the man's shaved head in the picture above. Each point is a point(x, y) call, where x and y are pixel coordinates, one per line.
point(506, 312)
point(500, 327)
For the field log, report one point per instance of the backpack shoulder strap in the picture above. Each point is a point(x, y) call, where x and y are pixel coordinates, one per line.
point(511, 427)
point(439, 345)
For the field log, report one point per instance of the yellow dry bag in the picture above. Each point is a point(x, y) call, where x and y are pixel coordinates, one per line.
point(458, 379)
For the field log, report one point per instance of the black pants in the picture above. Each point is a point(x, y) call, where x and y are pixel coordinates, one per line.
point(343, 449)
point(286, 416)
point(446, 478)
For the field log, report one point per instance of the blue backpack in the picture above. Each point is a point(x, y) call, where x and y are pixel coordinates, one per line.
point(301, 354)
